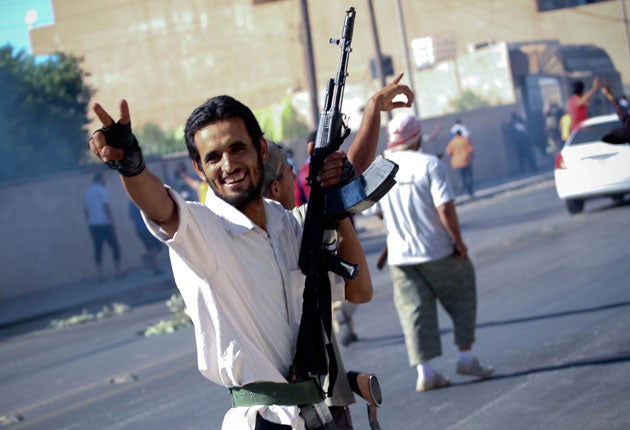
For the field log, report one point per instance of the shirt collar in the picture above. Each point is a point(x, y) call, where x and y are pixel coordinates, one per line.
point(275, 215)
point(238, 223)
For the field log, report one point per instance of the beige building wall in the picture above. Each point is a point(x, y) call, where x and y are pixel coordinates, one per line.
point(168, 56)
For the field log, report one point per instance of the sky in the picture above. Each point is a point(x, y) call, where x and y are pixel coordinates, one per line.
point(13, 26)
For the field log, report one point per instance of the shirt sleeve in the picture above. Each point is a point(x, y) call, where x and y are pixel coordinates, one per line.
point(299, 212)
point(195, 241)
point(441, 189)
point(155, 229)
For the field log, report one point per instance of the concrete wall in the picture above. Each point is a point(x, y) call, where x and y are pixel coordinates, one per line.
point(47, 241)
point(46, 238)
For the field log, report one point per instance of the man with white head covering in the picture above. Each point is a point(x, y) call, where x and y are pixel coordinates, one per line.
point(279, 185)
point(459, 126)
point(279, 178)
point(427, 257)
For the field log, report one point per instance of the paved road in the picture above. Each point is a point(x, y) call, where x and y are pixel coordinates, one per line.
point(553, 320)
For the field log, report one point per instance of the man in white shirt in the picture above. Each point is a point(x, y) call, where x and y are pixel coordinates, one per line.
point(427, 257)
point(101, 224)
point(234, 258)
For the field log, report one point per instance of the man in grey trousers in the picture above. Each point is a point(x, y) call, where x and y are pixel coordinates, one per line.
point(427, 257)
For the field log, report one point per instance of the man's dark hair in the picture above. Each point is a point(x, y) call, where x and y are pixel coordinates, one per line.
point(217, 109)
point(578, 87)
point(311, 136)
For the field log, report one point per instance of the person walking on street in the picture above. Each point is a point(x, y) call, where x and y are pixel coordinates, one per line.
point(151, 245)
point(427, 257)
point(517, 132)
point(553, 114)
point(235, 258)
point(101, 224)
point(461, 152)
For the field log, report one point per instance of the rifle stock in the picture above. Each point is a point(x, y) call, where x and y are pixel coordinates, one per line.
point(367, 386)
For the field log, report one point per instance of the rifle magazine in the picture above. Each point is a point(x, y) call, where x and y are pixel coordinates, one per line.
point(363, 191)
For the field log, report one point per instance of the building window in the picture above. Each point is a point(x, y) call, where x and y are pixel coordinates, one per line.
point(547, 5)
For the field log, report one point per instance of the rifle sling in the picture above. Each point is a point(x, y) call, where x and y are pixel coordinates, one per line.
point(276, 393)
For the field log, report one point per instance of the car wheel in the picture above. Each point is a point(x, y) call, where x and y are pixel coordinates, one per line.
point(575, 206)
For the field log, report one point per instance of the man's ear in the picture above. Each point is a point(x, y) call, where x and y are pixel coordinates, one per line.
point(198, 171)
point(274, 190)
point(264, 149)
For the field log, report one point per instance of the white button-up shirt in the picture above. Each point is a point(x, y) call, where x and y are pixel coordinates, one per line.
point(243, 290)
point(415, 233)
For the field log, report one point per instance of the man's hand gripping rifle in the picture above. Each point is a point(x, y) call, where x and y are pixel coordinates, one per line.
point(326, 207)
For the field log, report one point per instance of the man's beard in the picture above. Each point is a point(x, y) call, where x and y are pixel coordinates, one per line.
point(244, 198)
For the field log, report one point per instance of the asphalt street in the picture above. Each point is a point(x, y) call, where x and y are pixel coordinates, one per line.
point(552, 320)
point(140, 285)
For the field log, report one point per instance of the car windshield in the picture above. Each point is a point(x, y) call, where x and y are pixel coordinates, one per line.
point(594, 133)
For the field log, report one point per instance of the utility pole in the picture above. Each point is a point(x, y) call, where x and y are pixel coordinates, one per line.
point(377, 47)
point(309, 62)
point(625, 22)
point(405, 45)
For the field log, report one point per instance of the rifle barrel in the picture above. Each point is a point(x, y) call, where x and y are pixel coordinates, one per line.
point(344, 43)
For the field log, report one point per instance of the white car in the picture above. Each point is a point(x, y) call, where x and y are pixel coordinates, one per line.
point(587, 168)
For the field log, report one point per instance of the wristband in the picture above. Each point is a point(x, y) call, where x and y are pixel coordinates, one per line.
point(120, 136)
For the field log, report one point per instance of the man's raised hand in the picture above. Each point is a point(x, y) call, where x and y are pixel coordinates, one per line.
point(384, 99)
point(115, 144)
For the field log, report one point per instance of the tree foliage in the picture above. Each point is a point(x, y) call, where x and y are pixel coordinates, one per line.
point(281, 122)
point(43, 113)
point(468, 100)
point(155, 141)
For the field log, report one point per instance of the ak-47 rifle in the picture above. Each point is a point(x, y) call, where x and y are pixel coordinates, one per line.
point(326, 207)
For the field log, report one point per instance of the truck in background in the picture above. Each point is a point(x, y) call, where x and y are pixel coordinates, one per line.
point(543, 73)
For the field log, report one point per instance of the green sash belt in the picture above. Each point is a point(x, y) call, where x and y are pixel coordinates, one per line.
point(274, 393)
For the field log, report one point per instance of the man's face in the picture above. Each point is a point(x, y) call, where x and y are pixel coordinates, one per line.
point(230, 163)
point(286, 186)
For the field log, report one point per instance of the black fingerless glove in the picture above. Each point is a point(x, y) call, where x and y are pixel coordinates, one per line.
point(120, 136)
